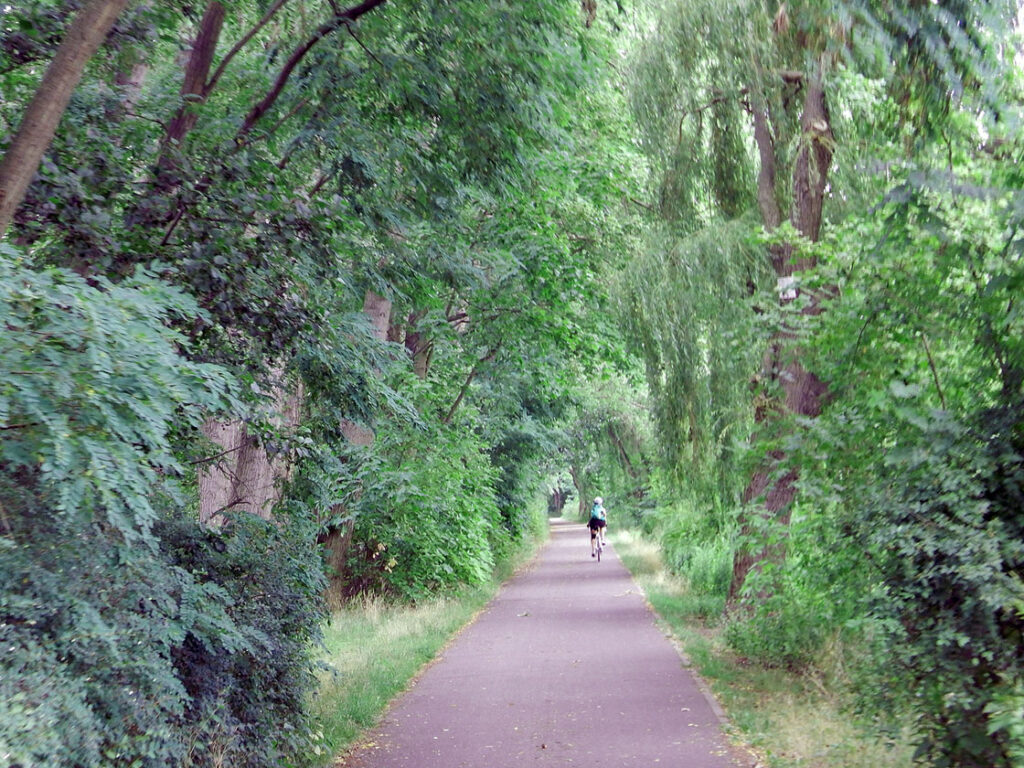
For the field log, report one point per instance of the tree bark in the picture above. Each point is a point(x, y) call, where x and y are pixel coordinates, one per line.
point(20, 163)
point(767, 202)
point(802, 390)
point(193, 88)
point(418, 346)
point(247, 477)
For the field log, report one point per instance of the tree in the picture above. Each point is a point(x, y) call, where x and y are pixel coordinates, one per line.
point(42, 115)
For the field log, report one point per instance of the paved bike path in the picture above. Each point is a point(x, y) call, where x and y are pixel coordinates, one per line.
point(564, 667)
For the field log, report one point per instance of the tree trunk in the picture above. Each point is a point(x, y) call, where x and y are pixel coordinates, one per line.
point(247, 477)
point(39, 124)
point(336, 541)
point(197, 72)
point(378, 309)
point(418, 346)
point(627, 465)
point(577, 481)
point(802, 390)
point(128, 84)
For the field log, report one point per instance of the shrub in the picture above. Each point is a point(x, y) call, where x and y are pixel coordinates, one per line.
point(426, 514)
point(698, 548)
point(945, 525)
point(246, 688)
point(139, 661)
point(131, 636)
point(785, 630)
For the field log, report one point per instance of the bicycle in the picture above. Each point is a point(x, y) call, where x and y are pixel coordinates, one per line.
point(598, 546)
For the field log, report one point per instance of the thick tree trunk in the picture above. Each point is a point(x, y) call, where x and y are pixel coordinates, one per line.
point(802, 390)
point(39, 124)
point(418, 346)
point(246, 477)
point(767, 202)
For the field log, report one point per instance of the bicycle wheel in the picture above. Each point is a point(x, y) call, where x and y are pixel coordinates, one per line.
point(599, 548)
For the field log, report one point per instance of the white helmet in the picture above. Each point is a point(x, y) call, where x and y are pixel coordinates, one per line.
point(598, 500)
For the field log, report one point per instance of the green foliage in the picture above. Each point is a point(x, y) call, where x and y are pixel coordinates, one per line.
point(917, 461)
point(467, 162)
point(86, 675)
point(110, 615)
point(903, 539)
point(426, 517)
point(696, 543)
point(785, 632)
point(685, 304)
point(94, 389)
point(608, 444)
point(248, 697)
point(944, 528)
point(183, 656)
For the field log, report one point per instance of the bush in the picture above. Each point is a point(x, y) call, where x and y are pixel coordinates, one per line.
point(697, 548)
point(85, 677)
point(247, 688)
point(195, 652)
point(132, 636)
point(945, 526)
point(785, 630)
point(426, 516)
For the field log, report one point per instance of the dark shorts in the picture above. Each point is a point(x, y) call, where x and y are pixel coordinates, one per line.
point(596, 524)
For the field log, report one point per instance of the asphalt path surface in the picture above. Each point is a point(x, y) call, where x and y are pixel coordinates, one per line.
point(565, 667)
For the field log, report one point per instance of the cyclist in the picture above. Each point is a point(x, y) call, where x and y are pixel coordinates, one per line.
point(597, 525)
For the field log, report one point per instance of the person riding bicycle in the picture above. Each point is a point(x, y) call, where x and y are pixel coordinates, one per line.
point(597, 525)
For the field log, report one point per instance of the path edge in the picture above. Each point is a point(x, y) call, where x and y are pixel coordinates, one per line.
point(341, 759)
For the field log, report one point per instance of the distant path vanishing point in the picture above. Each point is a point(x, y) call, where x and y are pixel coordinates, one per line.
point(564, 667)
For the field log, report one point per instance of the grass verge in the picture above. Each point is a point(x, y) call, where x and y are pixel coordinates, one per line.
point(786, 719)
point(373, 648)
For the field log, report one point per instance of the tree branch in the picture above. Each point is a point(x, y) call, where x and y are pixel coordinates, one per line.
point(469, 380)
point(216, 456)
point(212, 82)
point(718, 99)
point(355, 37)
point(295, 59)
point(935, 373)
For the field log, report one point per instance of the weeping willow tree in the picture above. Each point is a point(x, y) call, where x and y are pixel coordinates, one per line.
point(686, 308)
point(734, 100)
point(732, 113)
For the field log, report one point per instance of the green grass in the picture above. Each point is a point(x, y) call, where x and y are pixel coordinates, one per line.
point(373, 648)
point(786, 719)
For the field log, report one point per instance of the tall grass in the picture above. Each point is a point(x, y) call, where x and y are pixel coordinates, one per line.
point(788, 719)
